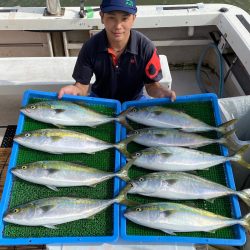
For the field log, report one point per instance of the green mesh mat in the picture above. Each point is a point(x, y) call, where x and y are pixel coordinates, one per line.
point(22, 191)
point(222, 206)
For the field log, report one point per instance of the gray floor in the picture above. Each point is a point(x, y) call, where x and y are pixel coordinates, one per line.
point(184, 83)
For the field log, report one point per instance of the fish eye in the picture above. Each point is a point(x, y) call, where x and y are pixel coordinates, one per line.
point(33, 107)
point(138, 209)
point(136, 132)
point(16, 210)
point(27, 135)
point(134, 110)
point(24, 167)
point(141, 179)
point(137, 154)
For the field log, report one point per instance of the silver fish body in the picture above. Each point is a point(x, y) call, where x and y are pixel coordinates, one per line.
point(177, 159)
point(52, 211)
point(65, 113)
point(161, 117)
point(60, 141)
point(154, 137)
point(173, 217)
point(61, 174)
point(49, 212)
point(182, 186)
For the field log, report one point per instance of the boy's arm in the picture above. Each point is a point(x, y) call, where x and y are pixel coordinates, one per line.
point(158, 91)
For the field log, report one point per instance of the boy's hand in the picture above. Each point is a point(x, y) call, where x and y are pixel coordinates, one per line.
point(76, 89)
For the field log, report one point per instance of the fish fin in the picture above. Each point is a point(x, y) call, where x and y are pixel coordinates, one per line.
point(122, 145)
point(170, 181)
point(52, 187)
point(223, 127)
point(166, 154)
point(122, 118)
point(245, 195)
point(245, 222)
point(58, 111)
point(240, 154)
point(168, 212)
point(52, 170)
point(191, 203)
point(122, 197)
point(157, 112)
point(59, 126)
point(168, 231)
point(50, 226)
point(211, 200)
point(212, 231)
point(125, 123)
point(123, 173)
point(130, 203)
point(46, 208)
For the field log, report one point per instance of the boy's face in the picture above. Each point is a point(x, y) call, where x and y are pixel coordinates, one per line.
point(117, 25)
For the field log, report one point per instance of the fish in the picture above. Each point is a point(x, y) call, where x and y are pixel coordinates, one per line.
point(55, 174)
point(65, 113)
point(172, 218)
point(183, 159)
point(49, 212)
point(162, 117)
point(59, 141)
point(156, 137)
point(182, 186)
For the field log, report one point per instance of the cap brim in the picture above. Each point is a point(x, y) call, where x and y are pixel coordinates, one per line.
point(117, 8)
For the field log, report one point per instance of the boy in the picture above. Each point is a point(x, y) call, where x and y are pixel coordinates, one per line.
point(123, 60)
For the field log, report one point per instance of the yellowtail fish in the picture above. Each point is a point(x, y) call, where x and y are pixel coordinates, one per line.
point(182, 186)
point(58, 141)
point(172, 218)
point(65, 113)
point(183, 159)
point(50, 212)
point(154, 137)
point(55, 174)
point(161, 117)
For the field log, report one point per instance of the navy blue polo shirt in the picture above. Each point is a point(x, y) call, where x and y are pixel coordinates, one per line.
point(121, 79)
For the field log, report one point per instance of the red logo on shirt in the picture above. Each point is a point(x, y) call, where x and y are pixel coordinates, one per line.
point(132, 60)
point(154, 66)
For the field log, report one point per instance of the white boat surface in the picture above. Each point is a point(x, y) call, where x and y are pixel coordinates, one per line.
point(38, 51)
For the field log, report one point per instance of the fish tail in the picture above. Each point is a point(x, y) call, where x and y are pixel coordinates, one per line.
point(228, 140)
point(122, 118)
point(122, 145)
point(245, 196)
point(122, 197)
point(123, 173)
point(223, 128)
point(245, 221)
point(239, 157)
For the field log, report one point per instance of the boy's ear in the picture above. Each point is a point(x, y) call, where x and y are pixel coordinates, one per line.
point(101, 15)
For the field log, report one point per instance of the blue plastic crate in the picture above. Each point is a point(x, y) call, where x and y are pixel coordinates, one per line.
point(7, 192)
point(239, 235)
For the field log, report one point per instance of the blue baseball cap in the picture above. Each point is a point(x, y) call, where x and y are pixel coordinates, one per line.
point(128, 6)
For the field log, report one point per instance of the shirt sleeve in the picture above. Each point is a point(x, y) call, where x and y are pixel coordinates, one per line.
point(83, 70)
point(153, 72)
